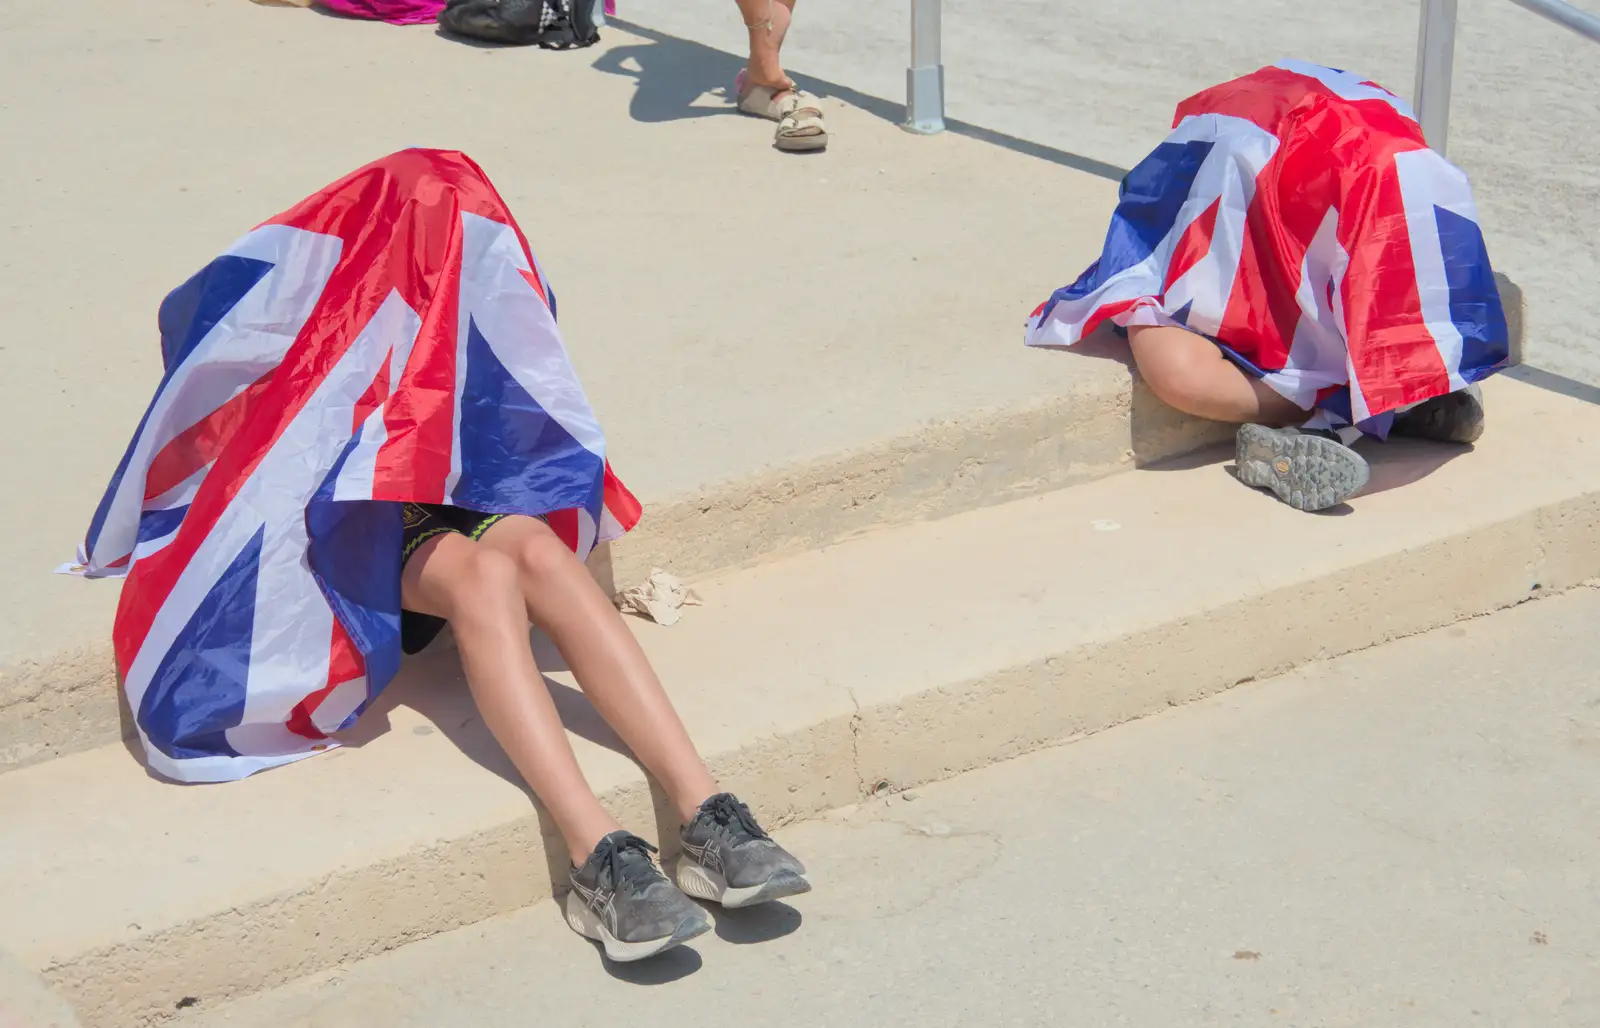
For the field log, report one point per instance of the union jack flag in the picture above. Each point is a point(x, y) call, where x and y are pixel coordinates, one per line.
point(1297, 217)
point(389, 339)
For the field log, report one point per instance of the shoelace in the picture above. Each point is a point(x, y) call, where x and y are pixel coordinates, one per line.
point(735, 817)
point(628, 860)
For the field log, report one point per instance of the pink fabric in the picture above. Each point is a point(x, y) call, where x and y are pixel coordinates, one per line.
point(405, 12)
point(395, 12)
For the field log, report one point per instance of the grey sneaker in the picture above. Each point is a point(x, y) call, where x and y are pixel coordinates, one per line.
point(1453, 418)
point(1306, 470)
point(729, 859)
point(621, 899)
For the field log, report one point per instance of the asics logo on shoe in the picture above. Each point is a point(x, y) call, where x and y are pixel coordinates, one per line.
point(601, 900)
point(707, 856)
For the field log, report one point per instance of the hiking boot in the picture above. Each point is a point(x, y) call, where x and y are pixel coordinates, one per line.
point(1306, 469)
point(729, 859)
point(621, 899)
point(1453, 418)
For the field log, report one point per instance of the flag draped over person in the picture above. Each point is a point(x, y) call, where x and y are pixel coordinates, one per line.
point(1297, 217)
point(389, 339)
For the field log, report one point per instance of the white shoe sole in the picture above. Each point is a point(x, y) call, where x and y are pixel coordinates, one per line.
point(705, 884)
point(588, 924)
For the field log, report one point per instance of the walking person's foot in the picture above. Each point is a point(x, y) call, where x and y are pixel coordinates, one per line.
point(798, 113)
point(729, 859)
point(623, 901)
point(1453, 418)
point(1308, 470)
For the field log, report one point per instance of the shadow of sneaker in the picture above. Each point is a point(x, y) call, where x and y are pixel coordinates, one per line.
point(752, 925)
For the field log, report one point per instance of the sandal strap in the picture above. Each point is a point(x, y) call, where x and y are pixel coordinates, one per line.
point(796, 101)
point(801, 125)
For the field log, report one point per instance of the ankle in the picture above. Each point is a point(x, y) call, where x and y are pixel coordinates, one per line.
point(689, 805)
point(764, 73)
point(578, 854)
point(582, 843)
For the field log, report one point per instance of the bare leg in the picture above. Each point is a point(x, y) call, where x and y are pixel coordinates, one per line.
point(566, 603)
point(478, 590)
point(768, 22)
point(1187, 371)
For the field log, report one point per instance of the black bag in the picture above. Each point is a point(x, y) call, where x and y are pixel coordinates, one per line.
point(551, 24)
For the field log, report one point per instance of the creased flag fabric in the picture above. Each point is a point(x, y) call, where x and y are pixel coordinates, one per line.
point(389, 339)
point(1297, 217)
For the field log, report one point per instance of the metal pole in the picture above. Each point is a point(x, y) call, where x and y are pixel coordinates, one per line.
point(925, 77)
point(1436, 46)
point(1581, 22)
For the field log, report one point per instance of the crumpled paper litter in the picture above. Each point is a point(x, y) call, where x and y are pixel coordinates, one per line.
point(660, 597)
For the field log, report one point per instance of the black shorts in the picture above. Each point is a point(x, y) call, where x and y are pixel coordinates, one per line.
point(423, 521)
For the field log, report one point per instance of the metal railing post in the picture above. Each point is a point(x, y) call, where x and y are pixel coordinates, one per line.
point(1436, 46)
point(925, 76)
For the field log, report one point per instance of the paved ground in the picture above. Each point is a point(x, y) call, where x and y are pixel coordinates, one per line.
point(1401, 837)
point(148, 137)
point(722, 326)
point(25, 1001)
point(1099, 81)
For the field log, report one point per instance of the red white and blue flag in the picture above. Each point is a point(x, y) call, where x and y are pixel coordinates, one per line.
point(1297, 217)
point(389, 339)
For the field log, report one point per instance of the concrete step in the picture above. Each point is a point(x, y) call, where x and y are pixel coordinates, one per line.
point(1402, 836)
point(25, 1002)
point(784, 352)
point(905, 656)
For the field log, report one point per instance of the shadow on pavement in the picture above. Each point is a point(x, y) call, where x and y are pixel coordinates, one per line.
point(754, 925)
point(432, 684)
point(662, 969)
point(674, 73)
point(1551, 382)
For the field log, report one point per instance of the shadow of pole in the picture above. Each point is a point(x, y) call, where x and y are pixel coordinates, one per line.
point(674, 73)
point(1554, 383)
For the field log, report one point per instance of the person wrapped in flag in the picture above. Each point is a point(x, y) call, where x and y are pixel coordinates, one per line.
point(368, 427)
point(1295, 259)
